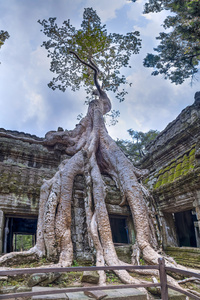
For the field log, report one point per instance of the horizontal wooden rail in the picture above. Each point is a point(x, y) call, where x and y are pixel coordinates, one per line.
point(163, 285)
point(183, 292)
point(73, 269)
point(79, 289)
point(184, 272)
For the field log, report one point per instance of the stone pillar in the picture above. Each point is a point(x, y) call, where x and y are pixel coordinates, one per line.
point(168, 231)
point(197, 223)
point(197, 99)
point(1, 230)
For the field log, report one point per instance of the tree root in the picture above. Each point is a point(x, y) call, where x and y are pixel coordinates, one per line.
point(93, 153)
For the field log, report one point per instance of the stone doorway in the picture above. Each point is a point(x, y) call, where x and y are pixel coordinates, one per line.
point(19, 233)
point(184, 222)
point(119, 228)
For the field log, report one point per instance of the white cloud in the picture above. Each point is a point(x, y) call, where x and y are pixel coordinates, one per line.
point(105, 9)
point(27, 104)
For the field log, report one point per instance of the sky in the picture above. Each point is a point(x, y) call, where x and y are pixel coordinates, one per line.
point(28, 105)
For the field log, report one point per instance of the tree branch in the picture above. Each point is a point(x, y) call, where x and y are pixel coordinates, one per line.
point(91, 66)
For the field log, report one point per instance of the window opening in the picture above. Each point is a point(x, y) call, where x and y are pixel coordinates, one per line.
point(19, 233)
point(185, 228)
point(22, 242)
point(119, 229)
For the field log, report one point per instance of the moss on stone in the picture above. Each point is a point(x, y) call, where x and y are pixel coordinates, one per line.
point(165, 177)
point(159, 182)
point(171, 174)
point(176, 168)
point(177, 172)
point(185, 165)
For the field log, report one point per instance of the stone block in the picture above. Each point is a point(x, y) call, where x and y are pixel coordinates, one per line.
point(22, 289)
point(8, 289)
point(173, 295)
point(36, 279)
point(90, 277)
point(96, 294)
point(125, 294)
point(42, 279)
point(61, 296)
point(77, 296)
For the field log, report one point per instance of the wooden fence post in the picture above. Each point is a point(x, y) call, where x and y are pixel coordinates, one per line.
point(163, 279)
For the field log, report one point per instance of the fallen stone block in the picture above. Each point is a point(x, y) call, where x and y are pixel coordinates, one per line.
point(96, 294)
point(90, 277)
point(61, 296)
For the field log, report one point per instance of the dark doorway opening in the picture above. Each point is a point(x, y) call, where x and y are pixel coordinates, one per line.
point(19, 233)
point(119, 229)
point(185, 228)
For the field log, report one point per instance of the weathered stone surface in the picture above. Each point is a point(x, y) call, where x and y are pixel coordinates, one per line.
point(42, 279)
point(61, 296)
point(124, 253)
point(3, 278)
point(174, 163)
point(51, 277)
point(128, 294)
point(36, 278)
point(8, 289)
point(186, 256)
point(173, 295)
point(90, 277)
point(96, 294)
point(77, 296)
point(22, 289)
point(173, 160)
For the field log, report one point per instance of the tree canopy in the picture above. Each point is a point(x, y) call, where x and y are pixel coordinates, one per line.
point(135, 148)
point(110, 51)
point(178, 54)
point(3, 36)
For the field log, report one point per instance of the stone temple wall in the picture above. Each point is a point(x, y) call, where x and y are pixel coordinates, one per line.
point(174, 162)
point(173, 159)
point(23, 166)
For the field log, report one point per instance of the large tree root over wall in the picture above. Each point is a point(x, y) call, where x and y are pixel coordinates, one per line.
point(93, 153)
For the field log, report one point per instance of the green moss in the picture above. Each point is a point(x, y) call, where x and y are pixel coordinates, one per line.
point(185, 165)
point(159, 182)
point(192, 152)
point(177, 172)
point(176, 168)
point(171, 174)
point(165, 177)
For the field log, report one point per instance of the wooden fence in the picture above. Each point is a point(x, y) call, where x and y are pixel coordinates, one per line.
point(160, 267)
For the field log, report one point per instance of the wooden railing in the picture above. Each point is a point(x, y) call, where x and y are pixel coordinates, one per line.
point(160, 267)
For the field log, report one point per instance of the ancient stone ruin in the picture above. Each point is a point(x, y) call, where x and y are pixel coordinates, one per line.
point(173, 160)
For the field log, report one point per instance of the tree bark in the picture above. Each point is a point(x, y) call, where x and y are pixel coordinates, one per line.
point(93, 153)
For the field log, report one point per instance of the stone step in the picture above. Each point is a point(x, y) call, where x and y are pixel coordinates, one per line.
point(116, 294)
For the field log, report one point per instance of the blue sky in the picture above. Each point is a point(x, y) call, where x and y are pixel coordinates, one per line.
point(28, 105)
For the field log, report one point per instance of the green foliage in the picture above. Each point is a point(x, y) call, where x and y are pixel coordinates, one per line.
point(111, 277)
point(136, 148)
point(75, 263)
point(179, 50)
point(110, 51)
point(3, 36)
point(22, 242)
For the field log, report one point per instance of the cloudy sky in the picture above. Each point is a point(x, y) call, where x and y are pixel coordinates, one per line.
point(28, 105)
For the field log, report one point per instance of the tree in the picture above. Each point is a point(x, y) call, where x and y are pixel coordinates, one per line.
point(3, 36)
point(93, 153)
point(179, 50)
point(136, 149)
point(110, 52)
